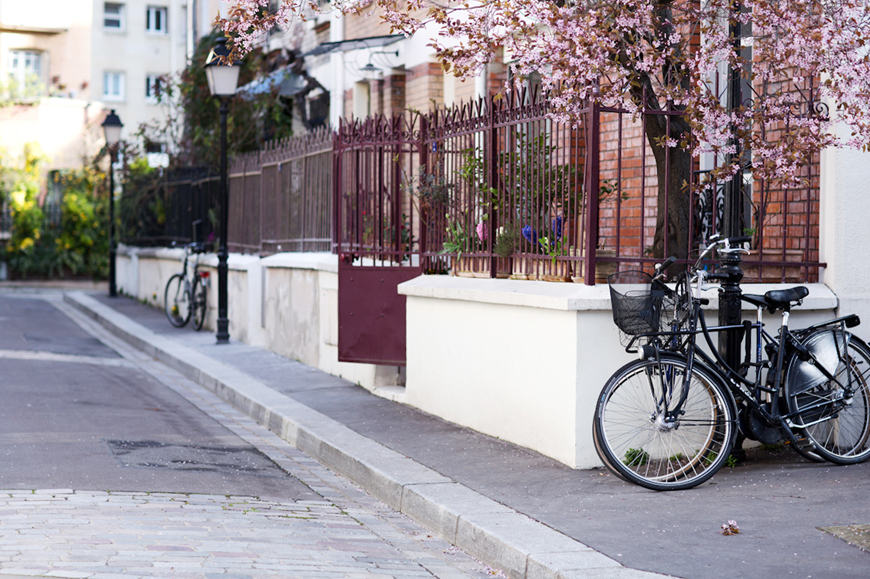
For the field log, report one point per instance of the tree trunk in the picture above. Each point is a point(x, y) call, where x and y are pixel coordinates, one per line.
point(674, 170)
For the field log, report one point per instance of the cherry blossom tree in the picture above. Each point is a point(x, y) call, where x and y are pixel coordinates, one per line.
point(805, 62)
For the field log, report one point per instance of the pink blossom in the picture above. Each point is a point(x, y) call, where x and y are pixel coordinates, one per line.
point(481, 231)
point(803, 52)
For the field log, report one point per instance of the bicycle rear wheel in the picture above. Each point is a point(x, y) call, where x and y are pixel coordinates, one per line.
point(834, 415)
point(176, 301)
point(200, 303)
point(636, 443)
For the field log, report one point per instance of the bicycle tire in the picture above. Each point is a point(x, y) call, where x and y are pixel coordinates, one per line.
point(176, 301)
point(596, 438)
point(837, 427)
point(633, 442)
point(200, 303)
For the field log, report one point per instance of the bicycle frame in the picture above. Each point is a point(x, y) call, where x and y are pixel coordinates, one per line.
point(760, 397)
point(670, 420)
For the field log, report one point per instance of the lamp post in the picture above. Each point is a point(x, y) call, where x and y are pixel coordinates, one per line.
point(112, 132)
point(223, 78)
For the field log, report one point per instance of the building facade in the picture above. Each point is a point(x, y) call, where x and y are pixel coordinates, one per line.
point(64, 63)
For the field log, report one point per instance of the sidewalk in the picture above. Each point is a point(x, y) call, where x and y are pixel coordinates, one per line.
point(510, 507)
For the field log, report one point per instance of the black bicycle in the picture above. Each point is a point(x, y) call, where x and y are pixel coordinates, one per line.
point(669, 420)
point(186, 296)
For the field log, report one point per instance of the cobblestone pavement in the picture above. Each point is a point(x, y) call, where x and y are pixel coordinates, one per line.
point(108, 535)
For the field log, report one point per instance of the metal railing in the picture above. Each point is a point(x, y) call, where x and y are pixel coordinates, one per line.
point(179, 205)
point(281, 197)
point(497, 188)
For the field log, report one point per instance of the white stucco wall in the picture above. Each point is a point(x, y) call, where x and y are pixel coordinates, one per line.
point(845, 234)
point(142, 273)
point(525, 361)
point(300, 321)
point(287, 303)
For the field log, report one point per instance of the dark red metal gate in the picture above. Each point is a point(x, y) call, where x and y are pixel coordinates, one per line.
point(375, 223)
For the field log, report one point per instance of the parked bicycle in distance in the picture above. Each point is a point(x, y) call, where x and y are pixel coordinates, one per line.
point(669, 420)
point(186, 296)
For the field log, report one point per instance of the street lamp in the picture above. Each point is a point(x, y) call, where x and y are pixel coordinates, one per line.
point(223, 77)
point(112, 132)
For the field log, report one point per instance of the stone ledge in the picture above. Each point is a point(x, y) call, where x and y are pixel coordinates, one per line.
point(321, 261)
point(235, 261)
point(537, 294)
point(570, 296)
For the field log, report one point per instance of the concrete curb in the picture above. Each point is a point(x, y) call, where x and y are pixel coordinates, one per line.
point(488, 530)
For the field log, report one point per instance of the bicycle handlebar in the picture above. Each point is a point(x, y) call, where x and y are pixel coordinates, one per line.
point(660, 269)
point(726, 242)
point(740, 239)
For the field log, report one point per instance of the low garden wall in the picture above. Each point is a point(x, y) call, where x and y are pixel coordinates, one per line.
point(523, 361)
point(287, 303)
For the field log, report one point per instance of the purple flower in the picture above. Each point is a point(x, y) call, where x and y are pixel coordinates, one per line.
point(530, 234)
point(556, 227)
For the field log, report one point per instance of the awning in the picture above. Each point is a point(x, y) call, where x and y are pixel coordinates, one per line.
point(355, 44)
point(288, 83)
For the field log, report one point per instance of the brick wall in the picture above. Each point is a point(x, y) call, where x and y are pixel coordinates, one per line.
point(424, 87)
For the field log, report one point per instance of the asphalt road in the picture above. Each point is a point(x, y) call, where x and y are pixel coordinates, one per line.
point(94, 421)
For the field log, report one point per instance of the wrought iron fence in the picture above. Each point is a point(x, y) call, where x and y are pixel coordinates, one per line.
point(375, 218)
point(281, 197)
point(181, 205)
point(496, 188)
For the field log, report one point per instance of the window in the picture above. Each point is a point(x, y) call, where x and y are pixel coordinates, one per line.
point(156, 154)
point(155, 19)
point(153, 84)
point(113, 16)
point(24, 64)
point(113, 86)
point(25, 72)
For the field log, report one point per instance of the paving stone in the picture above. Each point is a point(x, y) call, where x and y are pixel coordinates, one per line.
point(222, 536)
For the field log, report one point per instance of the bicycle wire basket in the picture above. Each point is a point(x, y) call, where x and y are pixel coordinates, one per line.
point(640, 305)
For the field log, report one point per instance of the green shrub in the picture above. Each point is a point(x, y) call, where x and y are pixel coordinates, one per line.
point(77, 245)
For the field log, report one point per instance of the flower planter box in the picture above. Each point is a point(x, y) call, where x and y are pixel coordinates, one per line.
point(529, 268)
point(478, 267)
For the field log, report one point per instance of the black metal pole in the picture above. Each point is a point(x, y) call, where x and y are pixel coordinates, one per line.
point(729, 296)
point(113, 290)
point(223, 324)
point(729, 293)
point(734, 189)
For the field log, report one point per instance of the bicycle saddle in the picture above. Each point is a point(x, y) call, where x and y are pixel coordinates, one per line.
point(778, 299)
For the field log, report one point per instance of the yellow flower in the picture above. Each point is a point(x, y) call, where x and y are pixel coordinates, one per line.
point(25, 243)
point(19, 197)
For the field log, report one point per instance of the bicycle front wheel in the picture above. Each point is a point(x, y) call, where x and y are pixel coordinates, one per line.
point(834, 415)
point(200, 303)
point(636, 440)
point(176, 301)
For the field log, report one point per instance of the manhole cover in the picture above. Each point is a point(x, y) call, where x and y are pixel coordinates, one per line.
point(193, 457)
point(858, 535)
